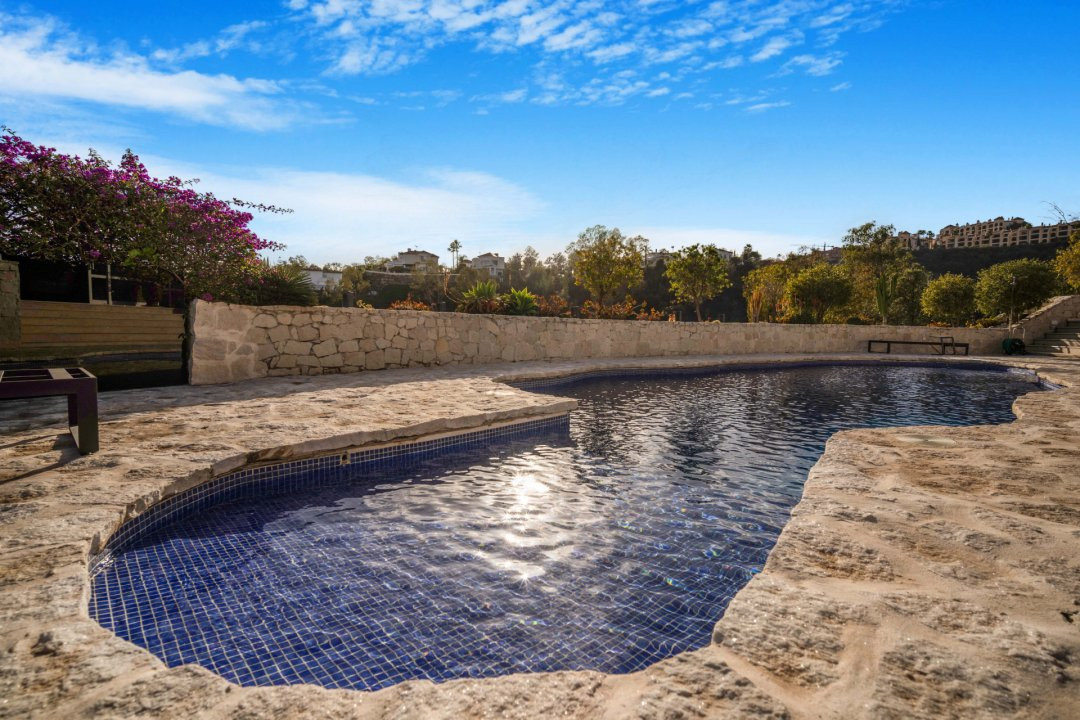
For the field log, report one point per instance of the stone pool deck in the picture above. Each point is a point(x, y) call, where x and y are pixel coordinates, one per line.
point(927, 572)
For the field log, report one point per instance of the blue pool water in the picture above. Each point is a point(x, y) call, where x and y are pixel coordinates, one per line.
point(608, 548)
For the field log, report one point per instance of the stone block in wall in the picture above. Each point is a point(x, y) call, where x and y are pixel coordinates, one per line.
point(326, 347)
point(295, 347)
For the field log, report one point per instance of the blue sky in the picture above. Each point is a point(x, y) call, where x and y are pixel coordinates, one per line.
point(395, 123)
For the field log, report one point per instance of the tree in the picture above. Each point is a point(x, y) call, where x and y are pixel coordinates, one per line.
point(1014, 287)
point(884, 293)
point(655, 289)
point(604, 262)
point(513, 273)
point(375, 262)
point(1067, 263)
point(749, 259)
point(353, 278)
point(558, 269)
point(950, 298)
point(697, 273)
point(874, 258)
point(454, 249)
point(83, 210)
point(427, 286)
point(815, 291)
point(765, 290)
point(906, 306)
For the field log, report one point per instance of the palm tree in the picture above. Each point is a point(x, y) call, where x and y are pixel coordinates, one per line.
point(454, 248)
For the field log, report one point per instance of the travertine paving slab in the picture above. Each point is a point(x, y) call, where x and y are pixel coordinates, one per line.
point(927, 572)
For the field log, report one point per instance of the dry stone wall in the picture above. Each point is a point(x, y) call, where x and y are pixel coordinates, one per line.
point(237, 342)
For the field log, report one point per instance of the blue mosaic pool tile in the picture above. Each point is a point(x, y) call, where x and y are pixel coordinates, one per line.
point(366, 605)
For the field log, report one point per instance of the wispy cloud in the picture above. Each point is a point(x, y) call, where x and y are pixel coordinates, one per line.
point(762, 107)
point(816, 65)
point(776, 46)
point(39, 58)
point(230, 38)
point(381, 36)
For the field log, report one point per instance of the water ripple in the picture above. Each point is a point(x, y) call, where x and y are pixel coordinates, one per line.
point(609, 549)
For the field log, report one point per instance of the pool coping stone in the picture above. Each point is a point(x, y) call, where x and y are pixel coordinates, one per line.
point(926, 572)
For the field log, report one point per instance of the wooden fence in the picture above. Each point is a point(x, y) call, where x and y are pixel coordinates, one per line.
point(66, 330)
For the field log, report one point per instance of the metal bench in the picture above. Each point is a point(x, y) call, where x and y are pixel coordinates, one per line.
point(77, 384)
point(943, 341)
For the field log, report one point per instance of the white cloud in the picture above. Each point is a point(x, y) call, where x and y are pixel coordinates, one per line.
point(612, 52)
point(833, 16)
point(514, 96)
point(373, 56)
point(690, 28)
point(762, 107)
point(840, 87)
point(39, 60)
point(817, 65)
point(344, 216)
point(579, 35)
point(227, 40)
point(775, 46)
point(726, 64)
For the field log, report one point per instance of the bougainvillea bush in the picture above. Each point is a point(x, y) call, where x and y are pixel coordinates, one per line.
point(83, 210)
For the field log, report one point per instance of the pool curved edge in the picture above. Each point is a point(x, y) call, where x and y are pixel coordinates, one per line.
point(880, 576)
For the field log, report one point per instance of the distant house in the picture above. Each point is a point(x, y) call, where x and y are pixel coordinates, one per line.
point(321, 278)
point(412, 259)
point(489, 263)
point(657, 256)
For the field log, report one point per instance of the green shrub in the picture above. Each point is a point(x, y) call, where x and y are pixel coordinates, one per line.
point(1012, 288)
point(483, 297)
point(520, 302)
point(950, 299)
point(283, 285)
point(815, 291)
point(1067, 263)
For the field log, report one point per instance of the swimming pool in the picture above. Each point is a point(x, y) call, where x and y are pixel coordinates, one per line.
point(608, 546)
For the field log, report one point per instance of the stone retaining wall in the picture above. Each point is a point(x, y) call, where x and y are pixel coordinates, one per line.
point(1056, 311)
point(9, 302)
point(238, 342)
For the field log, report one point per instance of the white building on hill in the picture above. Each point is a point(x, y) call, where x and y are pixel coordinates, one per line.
point(321, 278)
point(412, 259)
point(489, 263)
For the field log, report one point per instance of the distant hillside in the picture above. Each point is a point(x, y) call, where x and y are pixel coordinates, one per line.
point(969, 261)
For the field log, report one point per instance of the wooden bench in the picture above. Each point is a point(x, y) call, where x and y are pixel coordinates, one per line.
point(943, 341)
point(77, 384)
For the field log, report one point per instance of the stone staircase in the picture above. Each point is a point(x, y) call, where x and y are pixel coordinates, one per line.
point(1063, 341)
